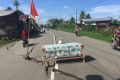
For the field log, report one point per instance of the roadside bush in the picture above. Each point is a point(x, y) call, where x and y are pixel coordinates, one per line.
point(106, 33)
point(89, 28)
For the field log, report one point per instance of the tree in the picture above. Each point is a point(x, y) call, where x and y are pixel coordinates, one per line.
point(8, 8)
point(88, 16)
point(16, 4)
point(72, 20)
point(82, 15)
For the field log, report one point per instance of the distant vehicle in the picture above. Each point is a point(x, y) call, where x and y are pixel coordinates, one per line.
point(43, 30)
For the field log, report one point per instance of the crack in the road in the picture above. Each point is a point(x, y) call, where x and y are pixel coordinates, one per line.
point(10, 46)
point(31, 50)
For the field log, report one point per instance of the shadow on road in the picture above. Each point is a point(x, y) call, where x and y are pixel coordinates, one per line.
point(32, 44)
point(118, 79)
point(36, 36)
point(87, 59)
point(94, 77)
point(70, 61)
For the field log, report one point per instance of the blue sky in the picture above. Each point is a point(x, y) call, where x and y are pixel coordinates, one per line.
point(66, 8)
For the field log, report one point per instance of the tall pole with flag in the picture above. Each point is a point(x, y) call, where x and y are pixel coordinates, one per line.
point(33, 10)
point(33, 13)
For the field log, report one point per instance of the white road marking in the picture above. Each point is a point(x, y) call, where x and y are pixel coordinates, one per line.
point(56, 66)
point(52, 77)
point(53, 37)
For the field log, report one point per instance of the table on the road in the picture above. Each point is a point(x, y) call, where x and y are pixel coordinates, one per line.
point(58, 52)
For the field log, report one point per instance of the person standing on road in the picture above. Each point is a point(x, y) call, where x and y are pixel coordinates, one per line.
point(24, 38)
point(77, 30)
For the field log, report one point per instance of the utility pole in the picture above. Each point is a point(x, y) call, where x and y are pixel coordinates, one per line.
point(76, 17)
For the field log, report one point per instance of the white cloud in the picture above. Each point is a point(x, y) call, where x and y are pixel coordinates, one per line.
point(25, 9)
point(1, 8)
point(66, 7)
point(105, 11)
point(41, 11)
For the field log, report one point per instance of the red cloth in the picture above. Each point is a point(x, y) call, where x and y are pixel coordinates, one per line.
point(24, 35)
point(33, 10)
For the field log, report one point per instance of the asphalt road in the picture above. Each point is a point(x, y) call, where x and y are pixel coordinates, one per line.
point(103, 63)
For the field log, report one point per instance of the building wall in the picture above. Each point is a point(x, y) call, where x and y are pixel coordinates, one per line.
point(10, 25)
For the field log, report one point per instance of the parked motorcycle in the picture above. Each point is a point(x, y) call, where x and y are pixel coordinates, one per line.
point(115, 44)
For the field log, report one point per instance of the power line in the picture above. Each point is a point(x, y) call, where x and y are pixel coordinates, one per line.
point(99, 2)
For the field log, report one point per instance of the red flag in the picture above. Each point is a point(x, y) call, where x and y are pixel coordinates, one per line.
point(33, 10)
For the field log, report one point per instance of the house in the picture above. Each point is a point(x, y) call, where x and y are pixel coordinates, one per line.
point(100, 23)
point(10, 26)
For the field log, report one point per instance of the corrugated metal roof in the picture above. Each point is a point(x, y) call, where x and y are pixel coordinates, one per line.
point(6, 12)
point(97, 19)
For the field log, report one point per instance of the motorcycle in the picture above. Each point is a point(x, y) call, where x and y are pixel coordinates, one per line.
point(115, 44)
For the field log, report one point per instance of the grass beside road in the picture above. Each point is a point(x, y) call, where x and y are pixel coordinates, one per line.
point(95, 35)
point(6, 42)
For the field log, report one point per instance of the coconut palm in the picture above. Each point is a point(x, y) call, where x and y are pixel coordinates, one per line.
point(16, 4)
point(88, 16)
point(82, 15)
point(8, 8)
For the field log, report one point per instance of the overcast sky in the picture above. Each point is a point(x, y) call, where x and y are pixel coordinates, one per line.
point(66, 8)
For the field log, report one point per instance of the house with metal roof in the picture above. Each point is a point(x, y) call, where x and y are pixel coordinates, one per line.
point(98, 22)
point(6, 12)
point(10, 25)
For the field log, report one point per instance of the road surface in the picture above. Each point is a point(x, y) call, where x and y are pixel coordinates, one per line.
point(103, 63)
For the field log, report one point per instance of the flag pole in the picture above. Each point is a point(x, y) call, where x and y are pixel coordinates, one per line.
point(33, 12)
point(27, 55)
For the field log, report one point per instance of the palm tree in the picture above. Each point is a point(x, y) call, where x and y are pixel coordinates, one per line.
point(16, 4)
point(82, 15)
point(88, 16)
point(72, 20)
point(8, 8)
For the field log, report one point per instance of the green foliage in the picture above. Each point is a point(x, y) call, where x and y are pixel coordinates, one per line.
point(88, 16)
point(16, 3)
point(72, 20)
point(60, 23)
point(8, 8)
point(97, 35)
point(5, 41)
point(89, 28)
point(115, 23)
point(84, 15)
point(92, 28)
point(106, 33)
